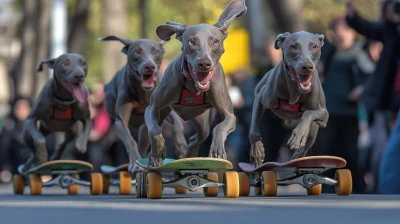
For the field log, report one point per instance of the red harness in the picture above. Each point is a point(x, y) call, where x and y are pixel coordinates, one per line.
point(191, 99)
point(62, 114)
point(285, 106)
point(138, 108)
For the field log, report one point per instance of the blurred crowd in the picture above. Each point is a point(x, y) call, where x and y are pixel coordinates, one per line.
point(360, 74)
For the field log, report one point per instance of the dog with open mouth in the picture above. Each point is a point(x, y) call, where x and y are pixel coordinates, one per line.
point(62, 102)
point(193, 83)
point(128, 94)
point(293, 91)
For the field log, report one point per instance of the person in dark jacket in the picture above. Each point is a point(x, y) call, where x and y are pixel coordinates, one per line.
point(382, 90)
point(13, 150)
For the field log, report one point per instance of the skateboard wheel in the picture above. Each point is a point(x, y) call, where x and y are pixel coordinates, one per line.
point(345, 182)
point(269, 186)
point(97, 183)
point(315, 190)
point(180, 190)
point(211, 191)
point(73, 189)
point(154, 186)
point(141, 192)
point(19, 184)
point(106, 184)
point(231, 181)
point(125, 183)
point(244, 182)
point(35, 184)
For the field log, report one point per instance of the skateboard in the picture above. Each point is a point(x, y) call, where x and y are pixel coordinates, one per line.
point(189, 173)
point(307, 171)
point(124, 181)
point(66, 174)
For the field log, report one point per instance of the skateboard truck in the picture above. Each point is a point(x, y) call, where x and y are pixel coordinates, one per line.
point(65, 181)
point(192, 181)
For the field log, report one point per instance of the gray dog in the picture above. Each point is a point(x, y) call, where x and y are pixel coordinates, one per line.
point(128, 94)
point(61, 103)
point(193, 83)
point(286, 90)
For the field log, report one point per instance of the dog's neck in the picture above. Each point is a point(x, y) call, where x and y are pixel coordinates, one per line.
point(62, 97)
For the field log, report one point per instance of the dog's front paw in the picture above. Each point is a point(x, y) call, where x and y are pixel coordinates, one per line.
point(257, 154)
point(80, 145)
point(299, 136)
point(155, 161)
point(134, 168)
point(217, 150)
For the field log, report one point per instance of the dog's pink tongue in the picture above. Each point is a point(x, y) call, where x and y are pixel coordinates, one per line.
point(149, 81)
point(203, 77)
point(305, 79)
point(80, 93)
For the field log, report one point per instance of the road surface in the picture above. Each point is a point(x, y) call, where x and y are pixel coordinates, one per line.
point(291, 206)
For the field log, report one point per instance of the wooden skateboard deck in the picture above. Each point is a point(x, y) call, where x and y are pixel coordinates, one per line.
point(325, 162)
point(202, 163)
point(107, 169)
point(50, 167)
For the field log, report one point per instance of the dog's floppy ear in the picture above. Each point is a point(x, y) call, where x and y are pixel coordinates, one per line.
point(125, 42)
point(321, 38)
point(280, 39)
point(165, 31)
point(50, 63)
point(234, 10)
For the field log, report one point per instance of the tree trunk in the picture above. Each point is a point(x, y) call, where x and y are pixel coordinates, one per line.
point(288, 14)
point(115, 20)
point(26, 73)
point(43, 43)
point(78, 27)
point(143, 18)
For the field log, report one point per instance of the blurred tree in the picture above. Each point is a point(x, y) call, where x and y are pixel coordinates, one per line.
point(288, 14)
point(143, 18)
point(115, 23)
point(78, 27)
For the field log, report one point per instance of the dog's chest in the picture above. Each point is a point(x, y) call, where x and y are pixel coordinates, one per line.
point(190, 104)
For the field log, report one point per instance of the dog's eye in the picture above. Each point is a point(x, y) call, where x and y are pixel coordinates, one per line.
point(157, 51)
point(83, 63)
point(216, 42)
point(191, 42)
point(136, 51)
point(293, 47)
point(315, 47)
point(65, 64)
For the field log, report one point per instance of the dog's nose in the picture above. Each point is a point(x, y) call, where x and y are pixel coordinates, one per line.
point(307, 67)
point(149, 68)
point(204, 64)
point(80, 76)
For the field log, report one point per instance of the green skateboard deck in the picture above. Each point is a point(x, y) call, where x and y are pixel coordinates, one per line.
point(171, 165)
point(51, 167)
point(64, 173)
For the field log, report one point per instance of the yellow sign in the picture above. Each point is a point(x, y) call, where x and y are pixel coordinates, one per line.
point(237, 51)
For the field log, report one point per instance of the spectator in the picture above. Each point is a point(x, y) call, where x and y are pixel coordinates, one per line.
point(13, 150)
point(339, 137)
point(382, 91)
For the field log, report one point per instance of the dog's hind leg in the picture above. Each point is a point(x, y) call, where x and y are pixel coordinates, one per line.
point(202, 126)
point(69, 136)
point(144, 142)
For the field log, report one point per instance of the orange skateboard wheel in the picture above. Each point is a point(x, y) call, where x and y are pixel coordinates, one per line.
point(244, 182)
point(97, 183)
point(269, 184)
point(231, 188)
point(345, 182)
point(315, 190)
point(211, 191)
point(19, 184)
point(154, 186)
point(35, 184)
point(125, 183)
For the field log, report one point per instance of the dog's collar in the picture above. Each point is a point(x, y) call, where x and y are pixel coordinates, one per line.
point(61, 104)
point(186, 68)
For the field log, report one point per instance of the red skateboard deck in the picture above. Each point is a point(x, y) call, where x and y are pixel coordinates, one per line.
point(324, 162)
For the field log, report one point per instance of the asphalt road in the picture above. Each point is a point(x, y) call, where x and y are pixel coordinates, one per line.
point(291, 205)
